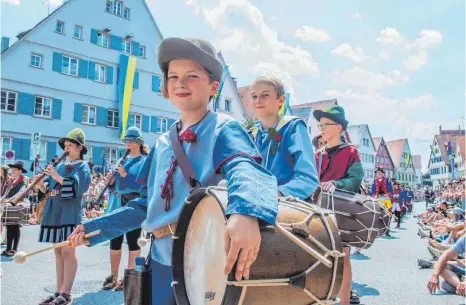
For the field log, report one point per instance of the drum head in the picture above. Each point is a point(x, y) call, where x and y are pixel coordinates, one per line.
point(199, 271)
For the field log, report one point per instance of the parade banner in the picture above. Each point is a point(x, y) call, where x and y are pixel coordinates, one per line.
point(220, 87)
point(407, 162)
point(286, 109)
point(125, 90)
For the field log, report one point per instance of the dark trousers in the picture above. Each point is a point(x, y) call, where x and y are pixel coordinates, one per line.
point(162, 291)
point(13, 234)
point(398, 215)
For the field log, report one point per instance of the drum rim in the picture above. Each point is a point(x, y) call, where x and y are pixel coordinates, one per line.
point(179, 286)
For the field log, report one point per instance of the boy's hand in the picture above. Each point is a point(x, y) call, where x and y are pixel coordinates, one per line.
point(242, 243)
point(77, 237)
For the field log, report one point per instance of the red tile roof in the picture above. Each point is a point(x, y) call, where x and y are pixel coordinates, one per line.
point(377, 141)
point(318, 105)
point(461, 143)
point(245, 95)
point(417, 161)
point(395, 148)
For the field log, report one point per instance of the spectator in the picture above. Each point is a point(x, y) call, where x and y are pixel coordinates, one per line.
point(35, 166)
point(91, 165)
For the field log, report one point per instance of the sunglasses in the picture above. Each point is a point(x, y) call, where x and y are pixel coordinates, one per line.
point(325, 125)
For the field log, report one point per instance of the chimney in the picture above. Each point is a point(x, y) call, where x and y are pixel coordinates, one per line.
point(235, 80)
point(5, 44)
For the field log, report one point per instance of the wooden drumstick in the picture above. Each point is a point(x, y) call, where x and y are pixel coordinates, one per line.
point(21, 256)
point(303, 246)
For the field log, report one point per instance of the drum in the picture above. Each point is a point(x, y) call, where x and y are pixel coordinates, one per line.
point(300, 260)
point(360, 219)
point(18, 214)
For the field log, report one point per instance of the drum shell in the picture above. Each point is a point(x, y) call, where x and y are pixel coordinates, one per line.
point(17, 214)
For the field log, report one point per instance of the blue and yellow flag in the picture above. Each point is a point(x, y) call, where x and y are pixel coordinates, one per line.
point(125, 90)
point(286, 109)
point(407, 161)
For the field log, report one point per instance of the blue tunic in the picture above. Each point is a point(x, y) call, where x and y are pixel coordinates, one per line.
point(127, 184)
point(63, 212)
point(222, 147)
point(291, 159)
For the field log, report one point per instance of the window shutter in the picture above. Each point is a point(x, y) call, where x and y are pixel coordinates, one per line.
point(136, 80)
point(26, 149)
point(97, 155)
point(17, 148)
point(56, 64)
point(121, 152)
point(94, 33)
point(170, 123)
point(109, 75)
point(56, 113)
point(51, 150)
point(153, 124)
point(102, 116)
point(26, 103)
point(115, 42)
point(83, 66)
point(145, 123)
point(91, 71)
point(136, 48)
point(78, 112)
point(155, 83)
point(130, 120)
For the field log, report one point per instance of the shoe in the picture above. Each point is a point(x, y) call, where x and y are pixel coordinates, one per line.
point(119, 286)
point(357, 251)
point(448, 287)
point(424, 264)
point(10, 253)
point(354, 297)
point(4, 253)
point(109, 283)
point(49, 299)
point(423, 234)
point(62, 299)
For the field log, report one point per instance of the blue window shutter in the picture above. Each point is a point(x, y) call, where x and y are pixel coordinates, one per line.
point(118, 75)
point(56, 114)
point(145, 123)
point(26, 149)
point(51, 150)
point(170, 123)
point(17, 148)
point(109, 75)
point(83, 66)
point(26, 103)
point(136, 48)
point(91, 72)
point(56, 64)
point(131, 120)
point(136, 80)
point(153, 124)
point(102, 116)
point(155, 83)
point(94, 33)
point(115, 42)
point(121, 152)
point(97, 155)
point(78, 112)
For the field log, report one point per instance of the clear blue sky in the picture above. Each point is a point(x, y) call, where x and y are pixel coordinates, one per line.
point(396, 65)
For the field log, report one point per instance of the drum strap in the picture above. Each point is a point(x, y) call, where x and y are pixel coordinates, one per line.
point(182, 159)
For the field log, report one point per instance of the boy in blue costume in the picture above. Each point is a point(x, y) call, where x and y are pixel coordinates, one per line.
point(283, 141)
point(125, 188)
point(215, 146)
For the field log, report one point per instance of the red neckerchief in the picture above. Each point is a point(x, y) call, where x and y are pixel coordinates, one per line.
point(21, 178)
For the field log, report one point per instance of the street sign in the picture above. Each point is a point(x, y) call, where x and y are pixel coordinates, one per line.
point(35, 137)
point(35, 149)
point(9, 156)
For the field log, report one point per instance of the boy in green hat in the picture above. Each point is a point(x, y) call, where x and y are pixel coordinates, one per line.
point(339, 166)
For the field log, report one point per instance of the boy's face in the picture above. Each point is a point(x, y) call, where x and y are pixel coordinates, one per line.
point(321, 142)
point(329, 129)
point(265, 100)
point(379, 174)
point(188, 85)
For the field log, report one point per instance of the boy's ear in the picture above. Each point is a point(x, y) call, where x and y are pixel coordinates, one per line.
point(282, 100)
point(214, 89)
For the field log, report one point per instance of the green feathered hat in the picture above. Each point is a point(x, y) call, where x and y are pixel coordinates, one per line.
point(76, 136)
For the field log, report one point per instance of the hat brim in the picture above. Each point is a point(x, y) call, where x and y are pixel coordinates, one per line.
point(176, 48)
point(318, 114)
point(379, 170)
point(18, 167)
point(61, 142)
point(125, 139)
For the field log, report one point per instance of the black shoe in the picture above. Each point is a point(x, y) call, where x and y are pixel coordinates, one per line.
point(10, 253)
point(354, 297)
point(49, 299)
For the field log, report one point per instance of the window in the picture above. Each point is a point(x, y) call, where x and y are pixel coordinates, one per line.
point(126, 46)
point(8, 101)
point(111, 156)
point(138, 121)
point(69, 65)
point(78, 32)
point(60, 27)
point(43, 106)
point(142, 51)
point(89, 114)
point(117, 8)
point(386, 160)
point(162, 125)
point(41, 150)
point(36, 60)
point(227, 105)
point(108, 7)
point(112, 118)
point(102, 40)
point(100, 72)
point(6, 145)
point(89, 153)
point(126, 13)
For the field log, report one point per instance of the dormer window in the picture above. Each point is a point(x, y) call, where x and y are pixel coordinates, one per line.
point(117, 8)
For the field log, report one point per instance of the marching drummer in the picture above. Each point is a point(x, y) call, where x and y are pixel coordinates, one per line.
point(382, 186)
point(16, 185)
point(339, 167)
point(215, 145)
point(125, 188)
point(62, 212)
point(283, 141)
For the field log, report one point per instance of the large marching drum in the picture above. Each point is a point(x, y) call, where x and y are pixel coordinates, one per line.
point(360, 218)
point(300, 259)
point(15, 214)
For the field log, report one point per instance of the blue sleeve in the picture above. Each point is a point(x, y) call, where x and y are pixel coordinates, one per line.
point(252, 189)
point(389, 187)
point(458, 247)
point(143, 175)
point(133, 169)
point(305, 180)
point(373, 189)
point(118, 222)
point(75, 186)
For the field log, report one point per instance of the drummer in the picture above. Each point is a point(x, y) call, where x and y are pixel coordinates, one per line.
point(382, 186)
point(16, 185)
point(341, 168)
point(283, 140)
point(214, 146)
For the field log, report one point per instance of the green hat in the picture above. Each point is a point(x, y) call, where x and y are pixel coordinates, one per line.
point(77, 136)
point(133, 134)
point(334, 113)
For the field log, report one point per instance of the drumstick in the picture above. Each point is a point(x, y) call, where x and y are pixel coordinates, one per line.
point(303, 246)
point(21, 256)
